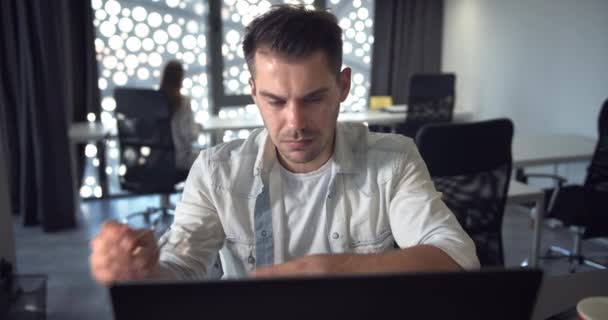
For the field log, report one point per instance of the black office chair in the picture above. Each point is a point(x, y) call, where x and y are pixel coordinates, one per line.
point(470, 163)
point(583, 209)
point(430, 100)
point(147, 151)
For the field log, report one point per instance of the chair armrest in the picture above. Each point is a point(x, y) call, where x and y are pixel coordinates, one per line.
point(559, 179)
point(560, 183)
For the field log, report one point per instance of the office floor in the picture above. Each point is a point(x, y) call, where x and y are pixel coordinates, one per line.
point(72, 294)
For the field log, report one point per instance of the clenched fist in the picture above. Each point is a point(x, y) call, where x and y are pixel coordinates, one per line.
point(119, 253)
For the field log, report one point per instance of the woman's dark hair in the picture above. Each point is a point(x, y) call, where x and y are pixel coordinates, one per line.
point(295, 32)
point(171, 84)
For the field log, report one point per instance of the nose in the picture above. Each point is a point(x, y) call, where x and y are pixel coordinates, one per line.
point(296, 116)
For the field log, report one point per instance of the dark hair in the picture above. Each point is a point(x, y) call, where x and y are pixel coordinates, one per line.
point(171, 83)
point(295, 32)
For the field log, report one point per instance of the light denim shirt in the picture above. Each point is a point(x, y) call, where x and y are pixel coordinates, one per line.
point(380, 193)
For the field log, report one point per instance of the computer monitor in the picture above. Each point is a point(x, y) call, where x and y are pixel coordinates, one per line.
point(486, 294)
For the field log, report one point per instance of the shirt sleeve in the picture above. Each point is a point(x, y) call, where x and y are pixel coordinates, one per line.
point(189, 249)
point(419, 216)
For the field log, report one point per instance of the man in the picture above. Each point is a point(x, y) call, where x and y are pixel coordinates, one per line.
point(304, 195)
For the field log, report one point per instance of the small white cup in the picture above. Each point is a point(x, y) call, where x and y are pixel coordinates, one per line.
point(593, 308)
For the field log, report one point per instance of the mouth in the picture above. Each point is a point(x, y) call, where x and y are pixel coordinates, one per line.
point(295, 145)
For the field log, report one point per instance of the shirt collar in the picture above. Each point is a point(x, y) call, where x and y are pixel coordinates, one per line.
point(344, 155)
point(266, 154)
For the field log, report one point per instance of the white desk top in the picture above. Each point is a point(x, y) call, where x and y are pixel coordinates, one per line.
point(559, 293)
point(83, 132)
point(521, 193)
point(251, 122)
point(215, 123)
point(531, 150)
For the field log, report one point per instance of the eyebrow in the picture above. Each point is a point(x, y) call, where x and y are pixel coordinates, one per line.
point(308, 95)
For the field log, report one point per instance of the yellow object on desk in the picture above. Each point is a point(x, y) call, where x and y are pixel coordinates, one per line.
point(379, 102)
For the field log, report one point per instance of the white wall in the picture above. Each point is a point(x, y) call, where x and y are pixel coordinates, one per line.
point(543, 63)
point(7, 246)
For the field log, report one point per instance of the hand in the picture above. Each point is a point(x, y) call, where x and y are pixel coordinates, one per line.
point(307, 266)
point(119, 253)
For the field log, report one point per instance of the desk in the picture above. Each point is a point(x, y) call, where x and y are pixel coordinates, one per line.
point(522, 193)
point(216, 125)
point(85, 132)
point(560, 293)
point(90, 132)
point(535, 150)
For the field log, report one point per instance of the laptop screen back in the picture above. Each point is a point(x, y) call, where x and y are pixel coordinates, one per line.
point(496, 294)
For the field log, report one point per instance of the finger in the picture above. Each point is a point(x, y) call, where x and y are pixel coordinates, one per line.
point(144, 258)
point(138, 238)
point(104, 278)
point(98, 261)
point(273, 271)
point(95, 244)
point(110, 236)
point(146, 238)
point(131, 239)
point(101, 272)
point(110, 227)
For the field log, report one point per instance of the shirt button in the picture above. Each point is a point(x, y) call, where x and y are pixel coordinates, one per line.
point(264, 233)
point(251, 260)
point(335, 235)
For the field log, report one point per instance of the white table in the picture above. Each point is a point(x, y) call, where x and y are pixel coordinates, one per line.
point(85, 132)
point(91, 132)
point(535, 150)
point(217, 125)
point(520, 193)
point(560, 293)
point(538, 150)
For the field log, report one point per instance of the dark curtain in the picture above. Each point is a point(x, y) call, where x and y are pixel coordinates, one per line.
point(48, 80)
point(407, 40)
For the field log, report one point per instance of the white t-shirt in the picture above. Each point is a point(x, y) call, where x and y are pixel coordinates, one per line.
point(305, 227)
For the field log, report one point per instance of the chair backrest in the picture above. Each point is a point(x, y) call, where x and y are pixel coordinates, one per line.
point(144, 134)
point(431, 100)
point(596, 182)
point(470, 163)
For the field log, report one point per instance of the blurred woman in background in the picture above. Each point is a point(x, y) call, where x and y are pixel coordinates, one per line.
point(183, 128)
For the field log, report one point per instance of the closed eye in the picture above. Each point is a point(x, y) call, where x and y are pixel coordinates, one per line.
point(276, 103)
point(313, 99)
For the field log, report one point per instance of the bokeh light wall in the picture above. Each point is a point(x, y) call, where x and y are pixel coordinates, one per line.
point(355, 18)
point(136, 38)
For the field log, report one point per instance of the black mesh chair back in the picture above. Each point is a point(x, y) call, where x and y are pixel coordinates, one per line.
point(431, 100)
point(144, 134)
point(596, 183)
point(470, 163)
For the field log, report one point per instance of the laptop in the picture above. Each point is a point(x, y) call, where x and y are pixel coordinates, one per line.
point(486, 294)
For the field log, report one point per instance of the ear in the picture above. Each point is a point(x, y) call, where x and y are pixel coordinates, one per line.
point(253, 90)
point(344, 83)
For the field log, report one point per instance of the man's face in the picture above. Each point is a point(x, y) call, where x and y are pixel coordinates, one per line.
point(299, 100)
